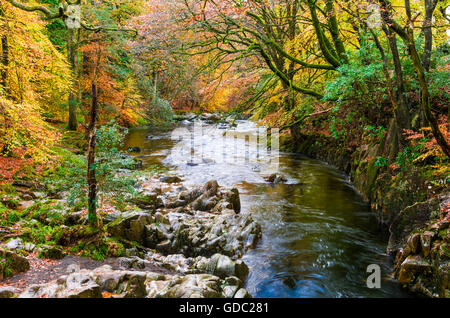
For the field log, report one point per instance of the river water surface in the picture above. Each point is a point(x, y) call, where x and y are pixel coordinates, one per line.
point(318, 234)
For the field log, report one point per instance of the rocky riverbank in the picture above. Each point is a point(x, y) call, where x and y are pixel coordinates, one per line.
point(413, 212)
point(177, 242)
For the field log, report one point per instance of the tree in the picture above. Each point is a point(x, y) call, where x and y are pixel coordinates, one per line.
point(34, 82)
point(406, 33)
point(70, 13)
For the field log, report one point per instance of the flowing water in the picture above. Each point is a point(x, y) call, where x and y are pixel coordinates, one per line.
point(318, 234)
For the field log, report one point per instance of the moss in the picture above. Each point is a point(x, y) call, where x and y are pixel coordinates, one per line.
point(7, 188)
point(99, 249)
point(75, 139)
point(372, 173)
point(78, 234)
point(37, 233)
point(6, 266)
point(48, 212)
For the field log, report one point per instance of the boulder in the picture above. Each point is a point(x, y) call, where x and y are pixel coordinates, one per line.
point(148, 201)
point(130, 227)
point(412, 266)
point(50, 252)
point(409, 219)
point(8, 292)
point(242, 293)
point(192, 286)
point(75, 285)
point(425, 241)
point(223, 266)
point(131, 262)
point(170, 179)
point(12, 263)
point(276, 178)
point(14, 244)
point(75, 218)
point(134, 149)
point(233, 199)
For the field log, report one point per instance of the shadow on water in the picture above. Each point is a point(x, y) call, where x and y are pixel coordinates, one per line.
point(318, 234)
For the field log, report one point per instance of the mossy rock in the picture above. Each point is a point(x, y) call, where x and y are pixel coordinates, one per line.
point(50, 252)
point(12, 263)
point(79, 234)
point(413, 217)
point(75, 139)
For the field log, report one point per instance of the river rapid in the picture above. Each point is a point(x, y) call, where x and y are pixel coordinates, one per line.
point(318, 237)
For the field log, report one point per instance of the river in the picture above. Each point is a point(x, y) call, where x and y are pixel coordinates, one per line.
point(319, 236)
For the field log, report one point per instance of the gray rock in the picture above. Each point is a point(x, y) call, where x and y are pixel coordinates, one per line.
point(75, 285)
point(16, 263)
point(75, 218)
point(411, 266)
point(73, 268)
point(130, 227)
point(223, 266)
point(14, 244)
point(276, 178)
point(170, 179)
point(242, 293)
point(150, 201)
point(131, 262)
point(50, 252)
point(8, 292)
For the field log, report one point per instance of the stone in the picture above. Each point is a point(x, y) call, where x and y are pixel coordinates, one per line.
point(75, 218)
point(242, 293)
point(148, 201)
point(134, 149)
point(411, 266)
point(8, 292)
point(233, 199)
point(229, 291)
point(73, 268)
point(131, 262)
point(164, 247)
point(162, 219)
point(443, 277)
point(413, 243)
point(276, 178)
point(223, 266)
point(130, 227)
point(133, 285)
point(17, 263)
point(170, 179)
point(425, 240)
point(409, 219)
point(14, 244)
point(51, 252)
point(75, 285)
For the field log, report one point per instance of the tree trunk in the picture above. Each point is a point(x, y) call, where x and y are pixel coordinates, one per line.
point(72, 54)
point(401, 112)
point(5, 60)
point(426, 98)
point(430, 6)
point(91, 180)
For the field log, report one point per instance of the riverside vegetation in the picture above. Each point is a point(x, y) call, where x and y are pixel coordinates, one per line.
point(363, 85)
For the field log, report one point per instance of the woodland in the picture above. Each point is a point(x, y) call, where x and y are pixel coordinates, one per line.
point(363, 85)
